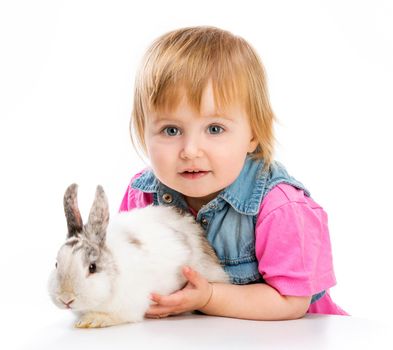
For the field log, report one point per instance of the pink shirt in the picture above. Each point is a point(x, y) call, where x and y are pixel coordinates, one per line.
point(292, 243)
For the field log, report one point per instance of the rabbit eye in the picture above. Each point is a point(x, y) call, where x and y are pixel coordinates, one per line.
point(56, 265)
point(92, 268)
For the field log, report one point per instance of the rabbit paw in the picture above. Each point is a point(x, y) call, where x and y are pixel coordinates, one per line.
point(96, 320)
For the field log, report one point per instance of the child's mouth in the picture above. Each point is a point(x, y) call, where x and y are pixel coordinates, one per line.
point(194, 174)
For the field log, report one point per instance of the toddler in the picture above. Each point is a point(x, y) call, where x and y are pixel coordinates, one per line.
point(202, 117)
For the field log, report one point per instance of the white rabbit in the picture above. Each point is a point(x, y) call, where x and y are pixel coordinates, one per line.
point(105, 271)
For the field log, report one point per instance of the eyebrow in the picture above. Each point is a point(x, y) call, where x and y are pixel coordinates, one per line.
point(172, 118)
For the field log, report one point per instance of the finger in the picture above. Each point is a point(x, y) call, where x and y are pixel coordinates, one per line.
point(160, 310)
point(163, 313)
point(155, 297)
point(193, 276)
point(174, 299)
point(156, 316)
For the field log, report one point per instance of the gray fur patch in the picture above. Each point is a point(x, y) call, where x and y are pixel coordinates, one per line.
point(72, 242)
point(135, 241)
point(99, 255)
point(91, 252)
point(71, 210)
point(98, 217)
point(206, 247)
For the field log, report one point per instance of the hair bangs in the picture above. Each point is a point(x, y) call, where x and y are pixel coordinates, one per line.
point(184, 67)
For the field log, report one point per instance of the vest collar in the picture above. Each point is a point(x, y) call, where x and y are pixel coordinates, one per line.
point(245, 193)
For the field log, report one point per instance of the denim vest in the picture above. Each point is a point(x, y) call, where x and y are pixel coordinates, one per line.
point(229, 219)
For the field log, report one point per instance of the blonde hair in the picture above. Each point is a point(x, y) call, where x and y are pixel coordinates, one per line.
point(188, 58)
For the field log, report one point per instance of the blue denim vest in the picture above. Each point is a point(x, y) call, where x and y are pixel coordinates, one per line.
point(229, 219)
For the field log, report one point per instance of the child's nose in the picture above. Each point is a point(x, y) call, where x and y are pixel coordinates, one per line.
point(192, 148)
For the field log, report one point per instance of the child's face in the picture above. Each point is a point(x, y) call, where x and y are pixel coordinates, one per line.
point(215, 147)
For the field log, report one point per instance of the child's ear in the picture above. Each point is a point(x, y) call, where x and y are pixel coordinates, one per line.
point(253, 145)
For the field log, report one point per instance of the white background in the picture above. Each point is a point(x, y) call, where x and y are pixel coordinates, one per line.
point(66, 81)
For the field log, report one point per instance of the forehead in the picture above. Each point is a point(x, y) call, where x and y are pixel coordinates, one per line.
point(179, 114)
point(208, 106)
point(79, 245)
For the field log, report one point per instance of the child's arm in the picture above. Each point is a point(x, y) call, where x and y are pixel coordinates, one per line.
point(254, 301)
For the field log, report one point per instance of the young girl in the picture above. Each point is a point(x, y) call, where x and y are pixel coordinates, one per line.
point(203, 118)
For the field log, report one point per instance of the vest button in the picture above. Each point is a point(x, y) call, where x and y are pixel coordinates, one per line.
point(204, 221)
point(167, 198)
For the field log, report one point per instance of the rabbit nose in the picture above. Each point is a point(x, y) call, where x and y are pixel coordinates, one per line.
point(68, 303)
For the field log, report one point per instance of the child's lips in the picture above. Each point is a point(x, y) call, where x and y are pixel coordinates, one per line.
point(191, 175)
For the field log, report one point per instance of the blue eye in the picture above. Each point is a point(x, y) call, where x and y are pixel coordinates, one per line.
point(171, 131)
point(215, 129)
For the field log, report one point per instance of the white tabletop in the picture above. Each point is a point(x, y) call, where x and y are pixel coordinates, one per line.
point(193, 331)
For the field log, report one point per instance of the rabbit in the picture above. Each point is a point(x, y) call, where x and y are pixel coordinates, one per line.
point(106, 270)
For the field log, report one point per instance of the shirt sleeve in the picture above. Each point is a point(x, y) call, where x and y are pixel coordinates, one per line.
point(134, 198)
point(292, 243)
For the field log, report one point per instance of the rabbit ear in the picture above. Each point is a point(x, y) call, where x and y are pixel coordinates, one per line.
point(98, 217)
point(73, 216)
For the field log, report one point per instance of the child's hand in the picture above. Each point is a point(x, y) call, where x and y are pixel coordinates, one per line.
point(194, 296)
